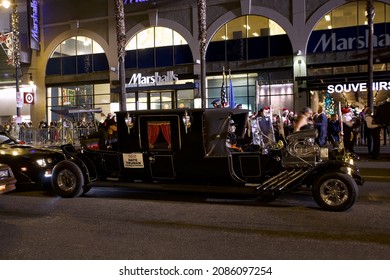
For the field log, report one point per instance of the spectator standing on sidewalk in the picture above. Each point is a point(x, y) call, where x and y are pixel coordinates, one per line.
point(348, 123)
point(334, 129)
point(321, 124)
point(372, 131)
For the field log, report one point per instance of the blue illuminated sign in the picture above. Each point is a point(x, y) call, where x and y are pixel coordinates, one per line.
point(34, 24)
point(133, 1)
point(348, 39)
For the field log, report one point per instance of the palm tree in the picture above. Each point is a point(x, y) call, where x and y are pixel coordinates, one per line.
point(202, 48)
point(121, 40)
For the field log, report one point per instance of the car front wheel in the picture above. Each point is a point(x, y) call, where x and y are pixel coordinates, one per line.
point(67, 179)
point(335, 191)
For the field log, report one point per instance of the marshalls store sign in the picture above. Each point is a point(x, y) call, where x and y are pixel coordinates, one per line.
point(138, 80)
point(348, 39)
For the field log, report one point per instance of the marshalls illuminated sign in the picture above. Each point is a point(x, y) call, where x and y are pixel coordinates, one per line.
point(156, 79)
point(33, 11)
point(358, 87)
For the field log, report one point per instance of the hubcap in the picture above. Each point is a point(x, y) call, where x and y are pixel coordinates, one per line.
point(66, 180)
point(334, 192)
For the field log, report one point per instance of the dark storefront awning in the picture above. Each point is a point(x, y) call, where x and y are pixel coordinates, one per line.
point(158, 87)
point(70, 111)
point(321, 83)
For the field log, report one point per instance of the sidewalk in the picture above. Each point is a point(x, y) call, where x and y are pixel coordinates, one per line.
point(366, 161)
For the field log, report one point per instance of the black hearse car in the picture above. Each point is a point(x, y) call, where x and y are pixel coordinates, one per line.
point(185, 149)
point(31, 165)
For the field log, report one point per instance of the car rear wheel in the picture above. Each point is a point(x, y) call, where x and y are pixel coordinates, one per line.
point(335, 191)
point(67, 179)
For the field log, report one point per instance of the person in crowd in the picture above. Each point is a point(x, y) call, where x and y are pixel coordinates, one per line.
point(232, 138)
point(321, 124)
point(334, 129)
point(372, 131)
point(265, 125)
point(68, 129)
point(111, 128)
point(216, 103)
point(286, 121)
point(304, 120)
point(348, 123)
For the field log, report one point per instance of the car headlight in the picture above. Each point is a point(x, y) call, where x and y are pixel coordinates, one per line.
point(4, 173)
point(41, 162)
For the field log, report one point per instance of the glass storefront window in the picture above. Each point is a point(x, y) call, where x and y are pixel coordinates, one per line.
point(220, 35)
point(145, 39)
point(157, 47)
point(155, 37)
point(247, 27)
point(77, 55)
point(353, 14)
point(164, 37)
point(278, 94)
point(258, 26)
point(131, 101)
point(237, 28)
point(84, 45)
point(178, 39)
point(80, 96)
point(142, 101)
point(185, 98)
point(68, 47)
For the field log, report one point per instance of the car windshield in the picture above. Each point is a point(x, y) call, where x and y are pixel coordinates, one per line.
point(4, 139)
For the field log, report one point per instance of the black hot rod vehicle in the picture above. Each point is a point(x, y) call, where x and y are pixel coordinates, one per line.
point(185, 149)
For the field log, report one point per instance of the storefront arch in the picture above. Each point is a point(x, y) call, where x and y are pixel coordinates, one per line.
point(181, 30)
point(282, 21)
point(76, 77)
point(80, 32)
point(337, 54)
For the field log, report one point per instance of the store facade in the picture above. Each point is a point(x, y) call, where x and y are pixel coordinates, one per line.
point(283, 56)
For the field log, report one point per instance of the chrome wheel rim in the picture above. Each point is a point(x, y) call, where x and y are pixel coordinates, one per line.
point(334, 192)
point(66, 180)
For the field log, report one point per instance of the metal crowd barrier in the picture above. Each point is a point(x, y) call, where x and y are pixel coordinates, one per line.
point(53, 135)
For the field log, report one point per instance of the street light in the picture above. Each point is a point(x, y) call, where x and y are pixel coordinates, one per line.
point(6, 4)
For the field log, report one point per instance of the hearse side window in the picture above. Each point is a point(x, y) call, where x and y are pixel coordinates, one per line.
point(159, 135)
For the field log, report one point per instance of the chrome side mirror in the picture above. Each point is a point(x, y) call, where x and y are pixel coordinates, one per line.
point(186, 121)
point(129, 123)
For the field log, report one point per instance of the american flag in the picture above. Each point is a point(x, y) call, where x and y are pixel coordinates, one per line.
point(223, 92)
point(231, 92)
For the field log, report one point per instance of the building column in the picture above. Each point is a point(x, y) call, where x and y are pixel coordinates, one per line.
point(299, 40)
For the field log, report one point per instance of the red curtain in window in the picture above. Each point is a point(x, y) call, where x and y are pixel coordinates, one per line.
point(166, 130)
point(153, 132)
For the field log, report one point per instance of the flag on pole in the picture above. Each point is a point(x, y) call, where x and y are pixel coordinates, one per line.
point(231, 93)
point(223, 92)
point(257, 92)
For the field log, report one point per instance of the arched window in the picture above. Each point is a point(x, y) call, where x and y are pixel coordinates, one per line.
point(157, 47)
point(77, 55)
point(353, 14)
point(248, 37)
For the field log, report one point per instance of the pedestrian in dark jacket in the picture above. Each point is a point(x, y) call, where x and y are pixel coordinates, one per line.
point(321, 123)
point(334, 129)
point(372, 131)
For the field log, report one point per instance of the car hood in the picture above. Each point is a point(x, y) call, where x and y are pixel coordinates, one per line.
point(27, 150)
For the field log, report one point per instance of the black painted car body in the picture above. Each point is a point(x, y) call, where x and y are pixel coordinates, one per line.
point(185, 149)
point(32, 166)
